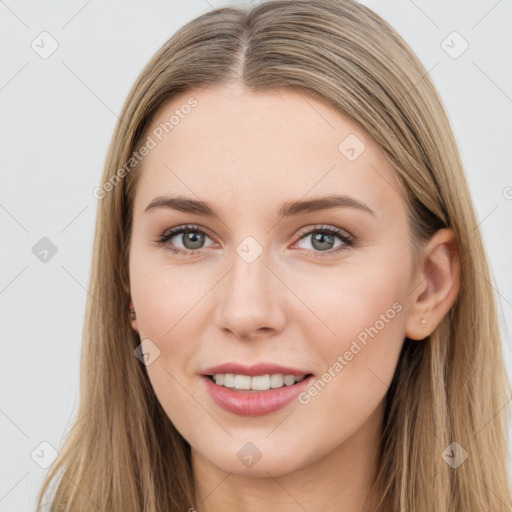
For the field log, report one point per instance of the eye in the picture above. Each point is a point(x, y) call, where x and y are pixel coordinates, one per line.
point(191, 236)
point(323, 239)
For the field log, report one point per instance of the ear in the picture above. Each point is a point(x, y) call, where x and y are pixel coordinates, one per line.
point(436, 285)
point(133, 318)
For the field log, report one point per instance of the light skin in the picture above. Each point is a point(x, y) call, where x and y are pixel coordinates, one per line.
point(246, 154)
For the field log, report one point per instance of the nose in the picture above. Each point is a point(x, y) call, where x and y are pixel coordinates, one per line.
point(250, 299)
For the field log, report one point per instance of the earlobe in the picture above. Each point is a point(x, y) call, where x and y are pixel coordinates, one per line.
point(436, 286)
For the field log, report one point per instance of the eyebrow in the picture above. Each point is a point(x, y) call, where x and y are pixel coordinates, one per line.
point(288, 209)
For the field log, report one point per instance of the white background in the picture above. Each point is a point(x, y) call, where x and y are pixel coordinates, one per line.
point(57, 118)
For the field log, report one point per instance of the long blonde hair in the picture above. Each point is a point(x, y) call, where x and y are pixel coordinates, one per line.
point(123, 452)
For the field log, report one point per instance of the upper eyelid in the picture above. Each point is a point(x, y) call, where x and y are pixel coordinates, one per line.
point(325, 227)
point(178, 230)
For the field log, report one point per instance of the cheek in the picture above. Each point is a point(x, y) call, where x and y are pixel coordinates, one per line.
point(358, 329)
point(167, 316)
point(165, 296)
point(165, 301)
point(343, 302)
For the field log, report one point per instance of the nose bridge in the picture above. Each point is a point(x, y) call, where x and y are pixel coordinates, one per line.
point(249, 267)
point(249, 299)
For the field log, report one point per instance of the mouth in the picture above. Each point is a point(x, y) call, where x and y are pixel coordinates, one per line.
point(235, 394)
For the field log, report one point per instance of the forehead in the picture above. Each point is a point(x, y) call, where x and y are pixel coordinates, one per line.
point(226, 144)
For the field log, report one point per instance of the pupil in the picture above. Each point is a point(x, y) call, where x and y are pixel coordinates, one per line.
point(193, 238)
point(320, 237)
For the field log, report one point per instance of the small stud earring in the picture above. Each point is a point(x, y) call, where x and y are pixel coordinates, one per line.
point(133, 316)
point(423, 322)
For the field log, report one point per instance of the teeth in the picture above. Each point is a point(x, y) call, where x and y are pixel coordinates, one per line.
point(242, 382)
point(256, 383)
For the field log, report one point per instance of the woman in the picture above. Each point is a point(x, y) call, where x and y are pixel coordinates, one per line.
point(290, 306)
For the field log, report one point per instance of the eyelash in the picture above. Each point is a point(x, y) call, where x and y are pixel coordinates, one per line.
point(348, 240)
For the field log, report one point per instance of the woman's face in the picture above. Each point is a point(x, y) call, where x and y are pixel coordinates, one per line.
point(323, 291)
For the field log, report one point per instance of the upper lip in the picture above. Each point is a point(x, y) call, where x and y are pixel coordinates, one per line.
point(253, 370)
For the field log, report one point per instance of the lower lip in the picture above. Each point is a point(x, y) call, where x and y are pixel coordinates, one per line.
point(254, 404)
